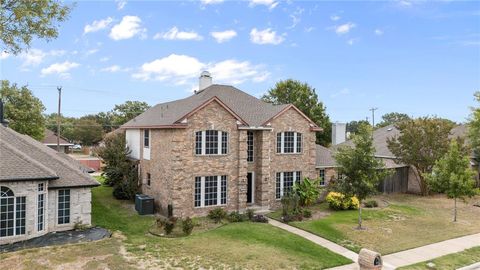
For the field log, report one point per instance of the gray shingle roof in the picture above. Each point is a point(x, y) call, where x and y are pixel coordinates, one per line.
point(50, 138)
point(34, 154)
point(324, 157)
point(253, 111)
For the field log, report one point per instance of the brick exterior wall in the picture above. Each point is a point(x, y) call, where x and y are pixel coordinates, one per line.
point(80, 209)
point(173, 165)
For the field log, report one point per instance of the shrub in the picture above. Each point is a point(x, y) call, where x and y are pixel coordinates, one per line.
point(250, 213)
point(290, 204)
point(370, 204)
point(169, 225)
point(236, 217)
point(217, 214)
point(260, 218)
point(338, 201)
point(308, 191)
point(307, 213)
point(187, 226)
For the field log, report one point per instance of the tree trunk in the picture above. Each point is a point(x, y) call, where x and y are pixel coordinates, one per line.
point(455, 211)
point(360, 216)
point(423, 184)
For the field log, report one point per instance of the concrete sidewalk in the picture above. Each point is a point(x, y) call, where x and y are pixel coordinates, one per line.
point(432, 251)
point(316, 239)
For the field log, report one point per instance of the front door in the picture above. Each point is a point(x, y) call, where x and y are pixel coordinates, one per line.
point(250, 187)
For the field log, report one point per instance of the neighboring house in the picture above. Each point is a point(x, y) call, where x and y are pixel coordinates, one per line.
point(50, 140)
point(41, 190)
point(404, 177)
point(220, 147)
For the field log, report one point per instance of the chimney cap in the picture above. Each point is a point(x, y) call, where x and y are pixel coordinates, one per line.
point(205, 74)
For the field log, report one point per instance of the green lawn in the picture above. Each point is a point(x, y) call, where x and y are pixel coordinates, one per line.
point(452, 261)
point(406, 222)
point(233, 246)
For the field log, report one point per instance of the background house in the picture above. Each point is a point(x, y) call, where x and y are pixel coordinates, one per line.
point(50, 140)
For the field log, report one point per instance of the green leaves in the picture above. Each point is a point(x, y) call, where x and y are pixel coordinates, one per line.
point(304, 97)
point(23, 110)
point(21, 21)
point(474, 128)
point(308, 191)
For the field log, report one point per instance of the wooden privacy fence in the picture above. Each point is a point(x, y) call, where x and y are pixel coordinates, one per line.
point(397, 182)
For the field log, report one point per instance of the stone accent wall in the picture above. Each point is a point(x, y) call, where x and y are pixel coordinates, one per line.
point(80, 208)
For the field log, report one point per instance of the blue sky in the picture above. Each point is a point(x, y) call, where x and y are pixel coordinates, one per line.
point(420, 58)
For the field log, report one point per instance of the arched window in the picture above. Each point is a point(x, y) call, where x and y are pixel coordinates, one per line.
point(12, 213)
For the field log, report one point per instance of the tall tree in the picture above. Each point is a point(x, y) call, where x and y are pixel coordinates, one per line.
point(453, 176)
point(123, 113)
point(474, 128)
point(420, 143)
point(22, 20)
point(392, 118)
point(304, 97)
point(66, 127)
point(360, 169)
point(87, 131)
point(353, 126)
point(23, 110)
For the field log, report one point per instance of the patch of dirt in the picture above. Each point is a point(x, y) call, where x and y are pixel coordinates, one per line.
point(319, 215)
point(81, 262)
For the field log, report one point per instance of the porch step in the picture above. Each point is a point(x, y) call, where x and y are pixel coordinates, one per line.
point(260, 210)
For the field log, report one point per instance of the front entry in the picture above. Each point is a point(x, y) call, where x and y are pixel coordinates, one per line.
point(250, 187)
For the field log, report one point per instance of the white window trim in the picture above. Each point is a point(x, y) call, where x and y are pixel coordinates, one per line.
point(282, 182)
point(295, 138)
point(70, 207)
point(15, 218)
point(252, 187)
point(324, 177)
point(149, 143)
point(219, 192)
point(45, 201)
point(253, 148)
point(204, 143)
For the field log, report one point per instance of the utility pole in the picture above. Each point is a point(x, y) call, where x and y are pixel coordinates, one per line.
point(59, 88)
point(373, 109)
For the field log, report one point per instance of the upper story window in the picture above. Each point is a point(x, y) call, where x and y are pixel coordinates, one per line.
point(146, 138)
point(289, 142)
point(249, 146)
point(211, 142)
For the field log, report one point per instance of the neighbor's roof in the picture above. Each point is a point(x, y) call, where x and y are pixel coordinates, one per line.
point(251, 110)
point(380, 137)
point(324, 157)
point(51, 139)
point(23, 158)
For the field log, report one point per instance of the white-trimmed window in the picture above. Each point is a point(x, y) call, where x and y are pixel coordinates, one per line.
point(321, 175)
point(210, 190)
point(146, 138)
point(211, 142)
point(289, 142)
point(250, 146)
point(12, 213)
point(285, 181)
point(149, 178)
point(41, 207)
point(63, 206)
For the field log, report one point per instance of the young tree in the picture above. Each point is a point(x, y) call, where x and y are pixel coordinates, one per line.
point(23, 110)
point(474, 128)
point(22, 20)
point(87, 131)
point(353, 126)
point(392, 118)
point(123, 113)
point(304, 97)
point(453, 176)
point(66, 127)
point(360, 169)
point(421, 142)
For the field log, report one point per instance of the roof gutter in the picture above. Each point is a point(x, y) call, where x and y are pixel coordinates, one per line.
point(30, 179)
point(254, 128)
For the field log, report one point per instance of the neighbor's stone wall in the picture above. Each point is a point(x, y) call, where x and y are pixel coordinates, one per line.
point(413, 181)
point(80, 209)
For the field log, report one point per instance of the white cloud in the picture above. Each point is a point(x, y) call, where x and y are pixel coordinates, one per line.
point(266, 36)
point(184, 70)
point(271, 4)
point(32, 57)
point(344, 28)
point(404, 3)
point(351, 41)
point(296, 17)
point(4, 55)
point(335, 18)
point(378, 32)
point(129, 27)
point(223, 36)
point(121, 4)
point(104, 59)
point(343, 92)
point(211, 2)
point(97, 25)
point(60, 68)
point(114, 68)
point(90, 52)
point(175, 34)
point(309, 29)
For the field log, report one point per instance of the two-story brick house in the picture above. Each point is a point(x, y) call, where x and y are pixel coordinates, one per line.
point(220, 147)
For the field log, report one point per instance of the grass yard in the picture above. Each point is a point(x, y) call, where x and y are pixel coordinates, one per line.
point(233, 246)
point(407, 221)
point(452, 261)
